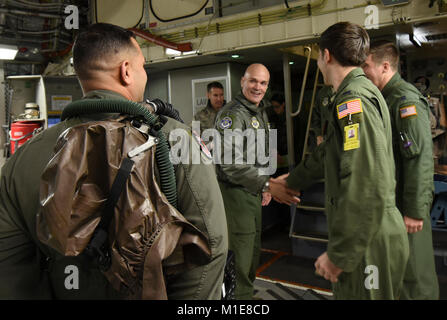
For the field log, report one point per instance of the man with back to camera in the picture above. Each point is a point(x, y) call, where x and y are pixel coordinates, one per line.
point(413, 155)
point(110, 65)
point(243, 188)
point(367, 250)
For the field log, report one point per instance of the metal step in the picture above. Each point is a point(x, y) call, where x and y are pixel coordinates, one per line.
point(313, 295)
point(310, 208)
point(308, 237)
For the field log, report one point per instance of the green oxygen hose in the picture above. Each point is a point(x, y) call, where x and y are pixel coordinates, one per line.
point(166, 169)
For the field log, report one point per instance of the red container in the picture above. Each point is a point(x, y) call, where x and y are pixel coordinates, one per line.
point(21, 131)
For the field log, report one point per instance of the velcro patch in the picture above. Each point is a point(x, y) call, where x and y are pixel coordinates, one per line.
point(255, 123)
point(349, 107)
point(408, 111)
point(226, 123)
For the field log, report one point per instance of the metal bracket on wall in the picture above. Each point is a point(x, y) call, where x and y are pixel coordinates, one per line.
point(182, 47)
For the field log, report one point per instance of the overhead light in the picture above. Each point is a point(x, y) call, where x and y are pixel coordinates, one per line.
point(8, 52)
point(291, 62)
point(188, 53)
point(415, 40)
point(172, 52)
point(183, 54)
point(235, 56)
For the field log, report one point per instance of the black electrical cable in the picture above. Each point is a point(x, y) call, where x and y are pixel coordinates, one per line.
point(135, 26)
point(177, 18)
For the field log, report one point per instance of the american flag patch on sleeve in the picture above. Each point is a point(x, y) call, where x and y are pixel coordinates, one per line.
point(349, 107)
point(408, 111)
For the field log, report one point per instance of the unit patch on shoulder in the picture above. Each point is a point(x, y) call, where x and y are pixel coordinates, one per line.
point(349, 107)
point(255, 122)
point(408, 111)
point(225, 123)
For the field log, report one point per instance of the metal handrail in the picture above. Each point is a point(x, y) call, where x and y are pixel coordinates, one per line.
point(310, 113)
point(303, 86)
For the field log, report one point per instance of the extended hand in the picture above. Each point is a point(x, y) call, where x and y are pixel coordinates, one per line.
point(327, 269)
point(266, 198)
point(281, 193)
point(413, 225)
point(320, 139)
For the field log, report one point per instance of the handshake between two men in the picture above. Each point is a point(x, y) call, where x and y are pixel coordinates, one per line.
point(280, 192)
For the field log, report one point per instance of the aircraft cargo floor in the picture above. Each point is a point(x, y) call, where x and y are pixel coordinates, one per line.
point(283, 276)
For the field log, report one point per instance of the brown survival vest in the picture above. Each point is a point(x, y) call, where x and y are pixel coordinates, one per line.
point(143, 228)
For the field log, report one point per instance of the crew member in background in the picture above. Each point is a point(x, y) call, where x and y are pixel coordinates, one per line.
point(207, 116)
point(413, 155)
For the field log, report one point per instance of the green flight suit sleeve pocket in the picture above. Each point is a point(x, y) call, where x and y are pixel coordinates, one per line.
point(410, 123)
point(408, 145)
point(346, 163)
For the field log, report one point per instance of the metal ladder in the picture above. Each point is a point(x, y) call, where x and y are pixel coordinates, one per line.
point(302, 210)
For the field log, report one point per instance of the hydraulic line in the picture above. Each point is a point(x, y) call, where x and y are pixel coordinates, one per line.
point(165, 167)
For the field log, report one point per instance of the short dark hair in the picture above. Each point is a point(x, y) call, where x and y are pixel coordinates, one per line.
point(278, 97)
point(347, 42)
point(214, 84)
point(95, 43)
point(382, 50)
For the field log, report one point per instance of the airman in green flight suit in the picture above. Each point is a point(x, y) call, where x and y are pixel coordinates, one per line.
point(368, 249)
point(413, 147)
point(242, 184)
point(110, 65)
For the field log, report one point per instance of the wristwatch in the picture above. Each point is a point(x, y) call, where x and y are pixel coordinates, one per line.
point(266, 186)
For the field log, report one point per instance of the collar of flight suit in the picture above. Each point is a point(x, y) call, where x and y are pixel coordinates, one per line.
point(103, 94)
point(389, 86)
point(209, 108)
point(357, 72)
point(249, 105)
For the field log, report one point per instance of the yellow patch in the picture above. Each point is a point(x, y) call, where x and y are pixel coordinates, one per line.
point(352, 140)
point(408, 111)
